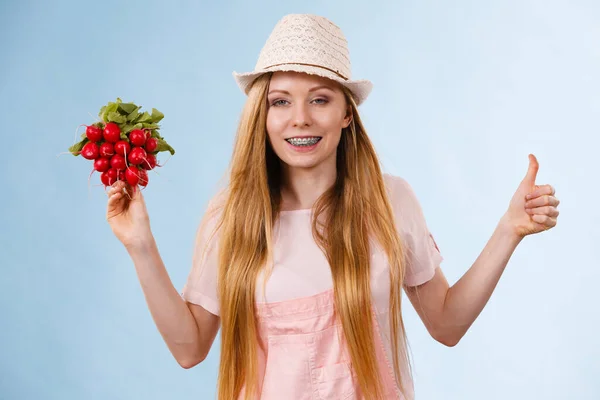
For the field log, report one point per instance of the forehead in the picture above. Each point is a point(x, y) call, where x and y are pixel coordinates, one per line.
point(297, 81)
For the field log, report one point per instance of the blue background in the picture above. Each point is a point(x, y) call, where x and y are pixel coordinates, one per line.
point(463, 91)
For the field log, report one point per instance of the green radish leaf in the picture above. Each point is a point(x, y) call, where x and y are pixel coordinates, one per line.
point(110, 108)
point(124, 136)
point(77, 147)
point(133, 115)
point(154, 133)
point(127, 128)
point(150, 126)
point(164, 146)
point(144, 118)
point(157, 115)
point(116, 117)
point(127, 108)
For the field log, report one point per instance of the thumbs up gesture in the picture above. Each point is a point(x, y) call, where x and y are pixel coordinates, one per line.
point(533, 207)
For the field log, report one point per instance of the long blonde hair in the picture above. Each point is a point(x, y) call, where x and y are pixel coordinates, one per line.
point(355, 209)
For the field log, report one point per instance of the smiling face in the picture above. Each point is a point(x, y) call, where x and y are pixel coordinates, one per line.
point(305, 118)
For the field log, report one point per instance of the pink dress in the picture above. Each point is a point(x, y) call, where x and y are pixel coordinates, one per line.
point(304, 357)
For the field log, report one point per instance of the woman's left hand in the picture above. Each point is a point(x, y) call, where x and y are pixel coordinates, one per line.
point(533, 207)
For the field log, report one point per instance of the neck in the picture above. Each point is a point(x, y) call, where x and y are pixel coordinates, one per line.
point(301, 187)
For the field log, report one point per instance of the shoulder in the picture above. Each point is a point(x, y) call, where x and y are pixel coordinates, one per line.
point(394, 180)
point(404, 201)
point(217, 202)
point(213, 213)
point(400, 191)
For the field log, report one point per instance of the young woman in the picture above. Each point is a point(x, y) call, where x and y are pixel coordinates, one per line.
point(302, 258)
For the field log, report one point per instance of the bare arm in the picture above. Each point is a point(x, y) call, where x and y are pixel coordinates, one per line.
point(448, 312)
point(187, 329)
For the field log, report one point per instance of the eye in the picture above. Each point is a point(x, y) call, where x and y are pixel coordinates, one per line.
point(321, 100)
point(278, 103)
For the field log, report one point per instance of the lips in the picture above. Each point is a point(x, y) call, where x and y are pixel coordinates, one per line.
point(304, 141)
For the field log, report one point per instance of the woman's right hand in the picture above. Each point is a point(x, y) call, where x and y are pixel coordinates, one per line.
point(127, 215)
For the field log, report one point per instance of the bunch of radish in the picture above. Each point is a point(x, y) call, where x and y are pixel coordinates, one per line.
point(124, 144)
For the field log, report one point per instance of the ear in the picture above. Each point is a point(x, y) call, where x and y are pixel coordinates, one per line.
point(347, 117)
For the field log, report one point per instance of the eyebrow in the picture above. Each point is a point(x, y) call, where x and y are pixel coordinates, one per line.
point(311, 90)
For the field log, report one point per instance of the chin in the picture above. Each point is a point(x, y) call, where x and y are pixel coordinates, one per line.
point(306, 161)
point(298, 162)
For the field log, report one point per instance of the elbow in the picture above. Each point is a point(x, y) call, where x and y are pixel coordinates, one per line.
point(449, 342)
point(448, 339)
point(187, 364)
point(190, 362)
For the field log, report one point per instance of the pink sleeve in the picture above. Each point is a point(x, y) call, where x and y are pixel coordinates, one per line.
point(201, 285)
point(422, 254)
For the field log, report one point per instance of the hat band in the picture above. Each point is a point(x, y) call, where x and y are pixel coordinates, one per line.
point(309, 65)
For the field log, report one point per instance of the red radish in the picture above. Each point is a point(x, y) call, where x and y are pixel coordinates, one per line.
point(118, 162)
point(93, 133)
point(109, 177)
point(104, 178)
point(137, 156)
point(106, 149)
point(137, 137)
point(122, 147)
point(102, 164)
point(149, 163)
point(112, 174)
point(90, 151)
point(132, 175)
point(143, 177)
point(151, 145)
point(112, 132)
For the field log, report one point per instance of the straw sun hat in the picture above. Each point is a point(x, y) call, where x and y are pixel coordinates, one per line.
point(310, 44)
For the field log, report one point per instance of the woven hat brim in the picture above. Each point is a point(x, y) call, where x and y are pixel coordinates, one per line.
point(360, 88)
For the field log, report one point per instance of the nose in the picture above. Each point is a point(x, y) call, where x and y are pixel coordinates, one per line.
point(301, 115)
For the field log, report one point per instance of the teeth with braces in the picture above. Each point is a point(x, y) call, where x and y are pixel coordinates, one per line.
point(303, 141)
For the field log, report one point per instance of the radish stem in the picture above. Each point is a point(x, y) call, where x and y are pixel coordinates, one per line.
point(76, 133)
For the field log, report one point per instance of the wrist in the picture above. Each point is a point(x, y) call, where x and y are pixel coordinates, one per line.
point(140, 243)
point(507, 231)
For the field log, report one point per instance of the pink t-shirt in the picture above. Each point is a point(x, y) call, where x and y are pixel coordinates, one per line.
point(301, 269)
